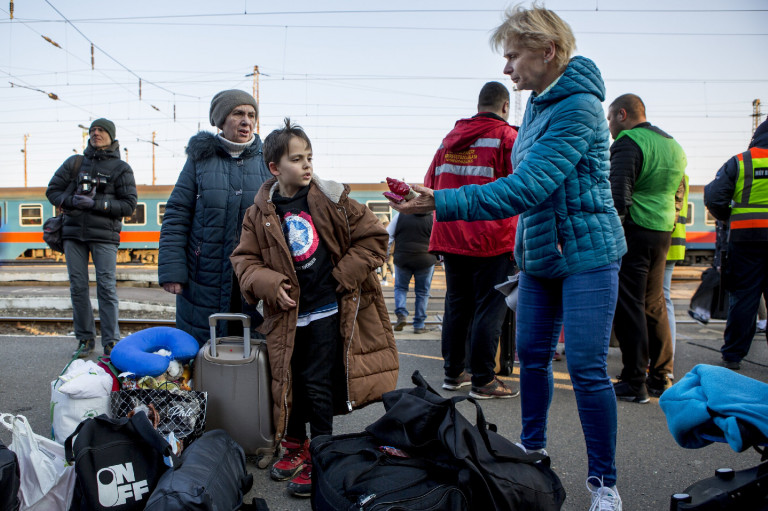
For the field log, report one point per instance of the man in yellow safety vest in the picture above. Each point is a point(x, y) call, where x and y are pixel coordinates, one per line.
point(739, 194)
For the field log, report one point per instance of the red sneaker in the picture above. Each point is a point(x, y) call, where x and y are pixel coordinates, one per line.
point(301, 485)
point(295, 454)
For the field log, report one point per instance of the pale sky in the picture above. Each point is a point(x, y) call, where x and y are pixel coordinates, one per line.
point(376, 85)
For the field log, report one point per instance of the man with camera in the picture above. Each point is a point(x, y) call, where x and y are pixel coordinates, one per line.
point(95, 191)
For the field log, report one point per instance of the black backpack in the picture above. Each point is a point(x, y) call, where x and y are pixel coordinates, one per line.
point(423, 433)
point(9, 479)
point(118, 462)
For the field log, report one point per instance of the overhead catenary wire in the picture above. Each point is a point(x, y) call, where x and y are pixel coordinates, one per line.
point(105, 52)
point(340, 121)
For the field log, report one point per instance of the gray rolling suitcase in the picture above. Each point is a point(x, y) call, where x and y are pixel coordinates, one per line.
point(234, 371)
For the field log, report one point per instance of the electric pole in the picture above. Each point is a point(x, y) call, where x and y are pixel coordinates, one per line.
point(154, 134)
point(756, 115)
point(26, 136)
point(85, 133)
point(154, 176)
point(255, 93)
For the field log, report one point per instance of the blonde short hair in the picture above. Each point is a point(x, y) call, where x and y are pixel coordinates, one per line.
point(534, 29)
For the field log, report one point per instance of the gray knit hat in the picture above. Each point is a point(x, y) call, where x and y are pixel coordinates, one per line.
point(226, 101)
point(106, 125)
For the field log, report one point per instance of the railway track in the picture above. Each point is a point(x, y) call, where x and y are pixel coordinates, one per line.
point(62, 326)
point(50, 320)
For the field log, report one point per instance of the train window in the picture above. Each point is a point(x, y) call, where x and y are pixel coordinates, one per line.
point(160, 212)
point(31, 214)
point(691, 213)
point(138, 217)
point(709, 219)
point(380, 207)
point(1, 215)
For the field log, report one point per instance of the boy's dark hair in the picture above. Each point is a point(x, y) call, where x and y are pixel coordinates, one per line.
point(492, 96)
point(276, 143)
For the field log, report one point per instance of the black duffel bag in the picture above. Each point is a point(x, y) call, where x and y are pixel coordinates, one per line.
point(425, 433)
point(355, 471)
point(118, 462)
point(212, 477)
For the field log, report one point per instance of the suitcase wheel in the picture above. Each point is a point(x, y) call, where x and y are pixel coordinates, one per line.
point(505, 369)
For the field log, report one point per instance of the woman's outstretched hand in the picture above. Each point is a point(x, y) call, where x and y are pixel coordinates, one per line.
point(424, 203)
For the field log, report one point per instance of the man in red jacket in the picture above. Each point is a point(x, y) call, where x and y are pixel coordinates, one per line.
point(477, 255)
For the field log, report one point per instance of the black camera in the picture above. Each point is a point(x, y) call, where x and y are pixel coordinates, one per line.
point(86, 182)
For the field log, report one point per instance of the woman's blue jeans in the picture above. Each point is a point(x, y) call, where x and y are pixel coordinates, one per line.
point(585, 303)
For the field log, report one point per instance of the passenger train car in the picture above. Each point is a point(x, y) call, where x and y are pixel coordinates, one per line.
point(24, 210)
point(699, 229)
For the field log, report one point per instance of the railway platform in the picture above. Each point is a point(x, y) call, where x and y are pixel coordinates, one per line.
point(651, 465)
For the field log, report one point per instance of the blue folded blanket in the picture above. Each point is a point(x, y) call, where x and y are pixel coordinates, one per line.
point(716, 400)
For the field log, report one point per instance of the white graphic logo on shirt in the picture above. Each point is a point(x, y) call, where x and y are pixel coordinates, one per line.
point(301, 235)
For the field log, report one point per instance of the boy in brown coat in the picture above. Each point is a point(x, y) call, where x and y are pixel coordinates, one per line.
point(310, 253)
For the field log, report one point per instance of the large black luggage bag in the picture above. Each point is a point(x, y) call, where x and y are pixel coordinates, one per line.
point(212, 476)
point(727, 490)
point(442, 461)
point(505, 355)
point(710, 301)
point(355, 471)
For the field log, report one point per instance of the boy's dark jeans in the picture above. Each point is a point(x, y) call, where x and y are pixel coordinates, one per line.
point(315, 350)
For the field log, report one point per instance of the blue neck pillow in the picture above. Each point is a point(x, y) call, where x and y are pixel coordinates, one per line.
point(135, 353)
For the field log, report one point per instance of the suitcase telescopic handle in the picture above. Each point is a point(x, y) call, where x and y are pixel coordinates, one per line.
point(246, 320)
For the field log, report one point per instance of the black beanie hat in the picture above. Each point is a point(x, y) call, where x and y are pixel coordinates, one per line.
point(227, 100)
point(106, 125)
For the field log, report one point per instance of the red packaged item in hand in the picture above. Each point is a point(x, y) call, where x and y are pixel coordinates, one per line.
point(401, 188)
point(397, 199)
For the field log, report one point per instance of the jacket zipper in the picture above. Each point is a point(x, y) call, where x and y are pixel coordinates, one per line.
point(356, 298)
point(289, 381)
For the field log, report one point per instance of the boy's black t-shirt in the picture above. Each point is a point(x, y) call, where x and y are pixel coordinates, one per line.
point(311, 257)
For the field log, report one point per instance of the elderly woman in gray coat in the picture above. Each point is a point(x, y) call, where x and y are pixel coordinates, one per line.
point(204, 215)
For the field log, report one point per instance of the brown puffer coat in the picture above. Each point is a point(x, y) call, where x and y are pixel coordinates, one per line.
point(357, 242)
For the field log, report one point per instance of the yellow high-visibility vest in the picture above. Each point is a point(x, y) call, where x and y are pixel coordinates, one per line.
point(750, 197)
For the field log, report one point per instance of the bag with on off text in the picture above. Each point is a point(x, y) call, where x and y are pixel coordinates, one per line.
point(118, 462)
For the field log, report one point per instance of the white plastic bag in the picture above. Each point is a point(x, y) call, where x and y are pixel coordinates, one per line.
point(509, 289)
point(84, 379)
point(47, 483)
point(67, 411)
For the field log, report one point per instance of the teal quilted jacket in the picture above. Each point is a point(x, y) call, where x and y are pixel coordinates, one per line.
point(559, 187)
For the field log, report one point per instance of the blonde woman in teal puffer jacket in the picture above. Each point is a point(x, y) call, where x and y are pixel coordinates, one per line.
point(569, 236)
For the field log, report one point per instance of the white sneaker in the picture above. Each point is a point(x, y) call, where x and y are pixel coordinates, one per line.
point(531, 451)
point(604, 498)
